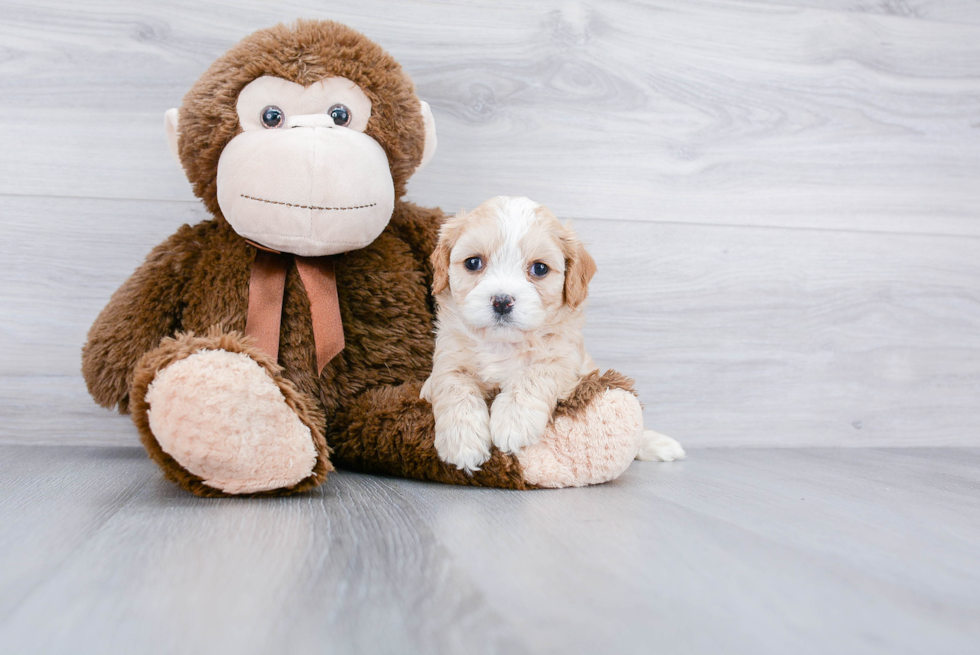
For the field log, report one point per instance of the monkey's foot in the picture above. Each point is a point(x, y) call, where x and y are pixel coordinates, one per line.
point(225, 423)
point(595, 435)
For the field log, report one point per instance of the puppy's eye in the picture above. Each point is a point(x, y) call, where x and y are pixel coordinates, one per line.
point(539, 269)
point(340, 115)
point(272, 117)
point(473, 264)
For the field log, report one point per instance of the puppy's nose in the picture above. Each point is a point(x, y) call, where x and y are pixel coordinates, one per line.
point(503, 304)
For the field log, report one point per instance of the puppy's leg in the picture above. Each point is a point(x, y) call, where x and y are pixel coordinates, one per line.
point(656, 447)
point(462, 420)
point(521, 412)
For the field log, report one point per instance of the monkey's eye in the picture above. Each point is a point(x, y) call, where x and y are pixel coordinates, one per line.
point(340, 115)
point(473, 264)
point(539, 269)
point(272, 117)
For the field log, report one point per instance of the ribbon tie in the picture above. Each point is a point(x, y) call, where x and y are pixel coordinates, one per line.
point(265, 292)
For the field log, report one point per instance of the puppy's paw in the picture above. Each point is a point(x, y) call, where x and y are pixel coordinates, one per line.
point(465, 442)
point(656, 447)
point(514, 426)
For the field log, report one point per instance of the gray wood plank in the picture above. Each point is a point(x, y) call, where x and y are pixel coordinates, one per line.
point(52, 500)
point(736, 336)
point(834, 554)
point(160, 571)
point(954, 11)
point(732, 113)
point(748, 550)
point(791, 337)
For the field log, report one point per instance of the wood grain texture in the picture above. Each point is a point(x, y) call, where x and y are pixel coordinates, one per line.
point(736, 336)
point(151, 569)
point(747, 113)
point(733, 550)
point(782, 196)
point(955, 11)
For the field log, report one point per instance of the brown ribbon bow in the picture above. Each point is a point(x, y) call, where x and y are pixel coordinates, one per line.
point(265, 292)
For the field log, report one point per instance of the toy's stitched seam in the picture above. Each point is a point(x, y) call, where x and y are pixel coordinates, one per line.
point(289, 204)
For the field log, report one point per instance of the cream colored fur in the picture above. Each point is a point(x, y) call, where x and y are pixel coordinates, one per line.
point(309, 187)
point(197, 413)
point(531, 358)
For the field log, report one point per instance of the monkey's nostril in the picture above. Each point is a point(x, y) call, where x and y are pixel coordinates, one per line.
point(503, 304)
point(310, 120)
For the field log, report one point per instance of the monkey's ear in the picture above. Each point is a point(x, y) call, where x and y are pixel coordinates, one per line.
point(430, 134)
point(170, 126)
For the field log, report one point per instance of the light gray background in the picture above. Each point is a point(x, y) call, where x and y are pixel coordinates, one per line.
point(784, 201)
point(783, 197)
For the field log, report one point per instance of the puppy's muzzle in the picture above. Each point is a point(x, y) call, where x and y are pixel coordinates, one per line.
point(503, 305)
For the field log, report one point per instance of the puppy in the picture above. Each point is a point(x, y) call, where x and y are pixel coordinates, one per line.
point(510, 283)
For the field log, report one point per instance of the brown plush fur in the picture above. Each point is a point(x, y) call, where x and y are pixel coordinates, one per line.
point(365, 403)
point(199, 279)
point(391, 430)
point(591, 387)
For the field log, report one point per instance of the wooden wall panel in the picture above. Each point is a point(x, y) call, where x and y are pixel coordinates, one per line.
point(783, 196)
point(736, 336)
point(674, 111)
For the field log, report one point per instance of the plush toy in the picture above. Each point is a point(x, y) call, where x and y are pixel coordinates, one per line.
point(293, 330)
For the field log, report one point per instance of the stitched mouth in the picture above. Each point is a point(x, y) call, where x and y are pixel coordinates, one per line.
point(289, 204)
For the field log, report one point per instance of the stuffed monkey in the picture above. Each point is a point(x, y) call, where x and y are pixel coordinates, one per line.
point(293, 330)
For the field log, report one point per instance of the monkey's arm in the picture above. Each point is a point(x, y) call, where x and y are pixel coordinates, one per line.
point(146, 308)
point(390, 430)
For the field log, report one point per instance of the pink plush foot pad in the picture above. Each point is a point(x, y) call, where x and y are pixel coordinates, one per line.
point(223, 418)
point(595, 446)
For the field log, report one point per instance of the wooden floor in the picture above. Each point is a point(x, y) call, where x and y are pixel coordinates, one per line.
point(732, 551)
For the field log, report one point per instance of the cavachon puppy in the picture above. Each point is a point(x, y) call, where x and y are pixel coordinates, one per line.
point(510, 284)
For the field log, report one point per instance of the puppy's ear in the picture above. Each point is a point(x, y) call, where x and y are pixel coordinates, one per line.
point(448, 234)
point(579, 268)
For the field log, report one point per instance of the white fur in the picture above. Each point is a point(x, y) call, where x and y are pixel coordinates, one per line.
point(531, 360)
point(505, 274)
point(656, 447)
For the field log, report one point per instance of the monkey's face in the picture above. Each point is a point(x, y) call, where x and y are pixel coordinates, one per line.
point(302, 136)
point(302, 176)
